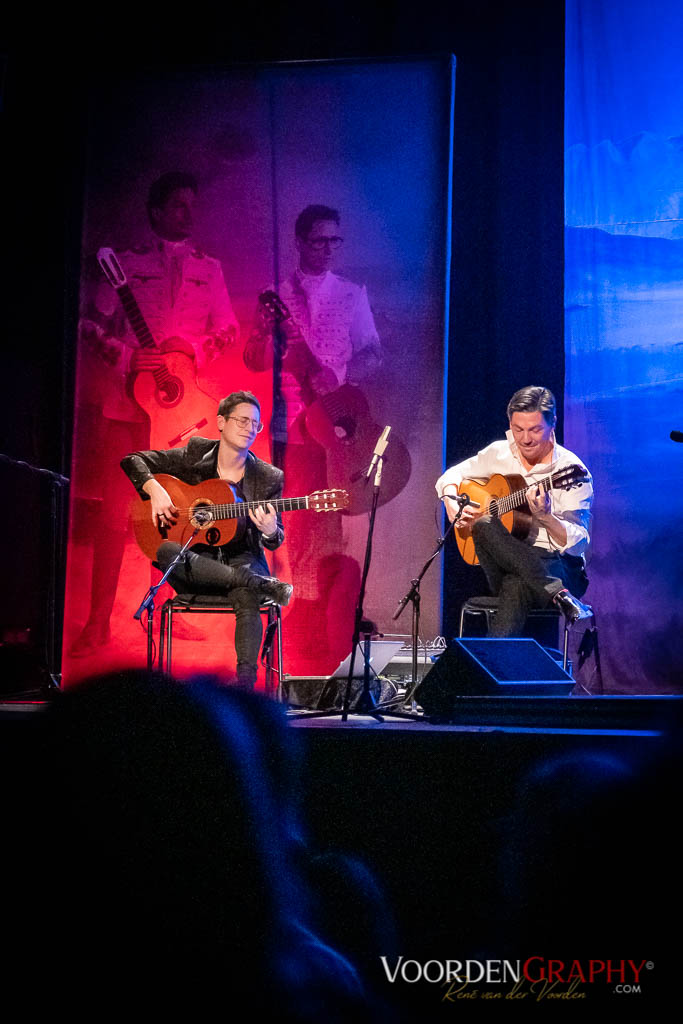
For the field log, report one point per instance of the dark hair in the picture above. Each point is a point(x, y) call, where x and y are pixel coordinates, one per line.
point(162, 188)
point(308, 217)
point(534, 399)
point(228, 403)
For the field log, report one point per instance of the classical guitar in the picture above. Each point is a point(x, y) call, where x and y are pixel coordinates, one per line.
point(504, 498)
point(177, 407)
point(340, 421)
point(212, 508)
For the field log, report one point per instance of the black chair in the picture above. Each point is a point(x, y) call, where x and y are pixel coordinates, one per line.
point(203, 604)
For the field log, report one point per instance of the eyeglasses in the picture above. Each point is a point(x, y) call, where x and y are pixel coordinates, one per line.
point(246, 421)
point(318, 244)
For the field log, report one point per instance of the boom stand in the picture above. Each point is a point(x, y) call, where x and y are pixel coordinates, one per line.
point(366, 703)
point(413, 596)
point(148, 602)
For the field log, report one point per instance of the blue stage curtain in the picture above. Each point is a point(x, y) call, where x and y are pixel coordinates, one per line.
point(624, 323)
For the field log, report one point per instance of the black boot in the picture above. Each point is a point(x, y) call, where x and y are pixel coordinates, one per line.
point(571, 607)
point(273, 589)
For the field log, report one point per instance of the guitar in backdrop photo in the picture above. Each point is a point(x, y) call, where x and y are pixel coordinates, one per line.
point(170, 396)
point(504, 497)
point(212, 508)
point(337, 417)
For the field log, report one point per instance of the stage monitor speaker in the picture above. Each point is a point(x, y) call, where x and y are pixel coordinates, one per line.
point(490, 666)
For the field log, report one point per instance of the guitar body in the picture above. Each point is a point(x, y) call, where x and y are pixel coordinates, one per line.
point(341, 423)
point(184, 496)
point(170, 396)
point(178, 408)
point(516, 522)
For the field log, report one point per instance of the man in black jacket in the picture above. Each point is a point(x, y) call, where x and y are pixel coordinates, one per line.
point(238, 568)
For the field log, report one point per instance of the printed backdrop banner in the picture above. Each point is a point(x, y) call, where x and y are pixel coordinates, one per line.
point(369, 140)
point(624, 324)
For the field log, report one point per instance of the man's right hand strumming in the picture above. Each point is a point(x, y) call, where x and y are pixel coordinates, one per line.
point(164, 512)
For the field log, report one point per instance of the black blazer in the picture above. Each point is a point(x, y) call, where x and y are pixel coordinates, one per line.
point(199, 461)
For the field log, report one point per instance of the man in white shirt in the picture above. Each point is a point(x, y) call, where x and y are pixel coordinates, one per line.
point(330, 340)
point(548, 566)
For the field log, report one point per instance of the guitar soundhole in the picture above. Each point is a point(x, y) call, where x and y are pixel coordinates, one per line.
point(345, 428)
point(170, 393)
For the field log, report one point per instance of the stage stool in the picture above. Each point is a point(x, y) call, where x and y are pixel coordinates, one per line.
point(210, 604)
point(488, 606)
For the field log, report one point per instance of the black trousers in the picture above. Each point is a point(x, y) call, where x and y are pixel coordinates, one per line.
point(238, 580)
point(520, 576)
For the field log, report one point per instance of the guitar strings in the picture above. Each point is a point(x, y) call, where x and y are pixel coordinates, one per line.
point(234, 510)
point(508, 502)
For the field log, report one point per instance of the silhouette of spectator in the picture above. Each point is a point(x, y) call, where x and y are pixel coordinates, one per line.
point(582, 853)
point(176, 863)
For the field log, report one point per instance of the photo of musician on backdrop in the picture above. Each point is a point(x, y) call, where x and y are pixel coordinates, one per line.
point(298, 294)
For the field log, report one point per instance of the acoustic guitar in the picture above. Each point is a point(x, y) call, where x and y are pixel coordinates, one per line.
point(212, 508)
point(176, 405)
point(504, 497)
point(340, 421)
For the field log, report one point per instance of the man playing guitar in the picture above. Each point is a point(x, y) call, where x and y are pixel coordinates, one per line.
point(548, 565)
point(238, 568)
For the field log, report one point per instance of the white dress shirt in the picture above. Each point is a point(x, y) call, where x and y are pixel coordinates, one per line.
point(572, 506)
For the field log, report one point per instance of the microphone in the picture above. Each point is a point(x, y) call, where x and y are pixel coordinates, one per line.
point(676, 435)
point(380, 448)
point(201, 516)
point(462, 500)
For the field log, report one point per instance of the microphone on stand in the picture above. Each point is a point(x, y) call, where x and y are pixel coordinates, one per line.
point(380, 448)
point(462, 500)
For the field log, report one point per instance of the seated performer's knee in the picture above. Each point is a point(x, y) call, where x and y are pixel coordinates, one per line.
point(166, 552)
point(482, 526)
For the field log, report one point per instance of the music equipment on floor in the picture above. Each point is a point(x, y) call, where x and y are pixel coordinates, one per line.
point(339, 420)
point(177, 407)
point(504, 497)
point(212, 508)
point(490, 666)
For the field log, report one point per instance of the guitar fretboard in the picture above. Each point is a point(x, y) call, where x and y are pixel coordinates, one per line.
point(499, 506)
point(142, 332)
point(238, 509)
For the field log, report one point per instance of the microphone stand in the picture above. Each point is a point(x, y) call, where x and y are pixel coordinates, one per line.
point(54, 604)
point(147, 603)
point(365, 704)
point(413, 596)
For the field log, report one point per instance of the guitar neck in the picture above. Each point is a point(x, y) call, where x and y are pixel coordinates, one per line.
point(135, 317)
point(143, 333)
point(517, 498)
point(240, 509)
